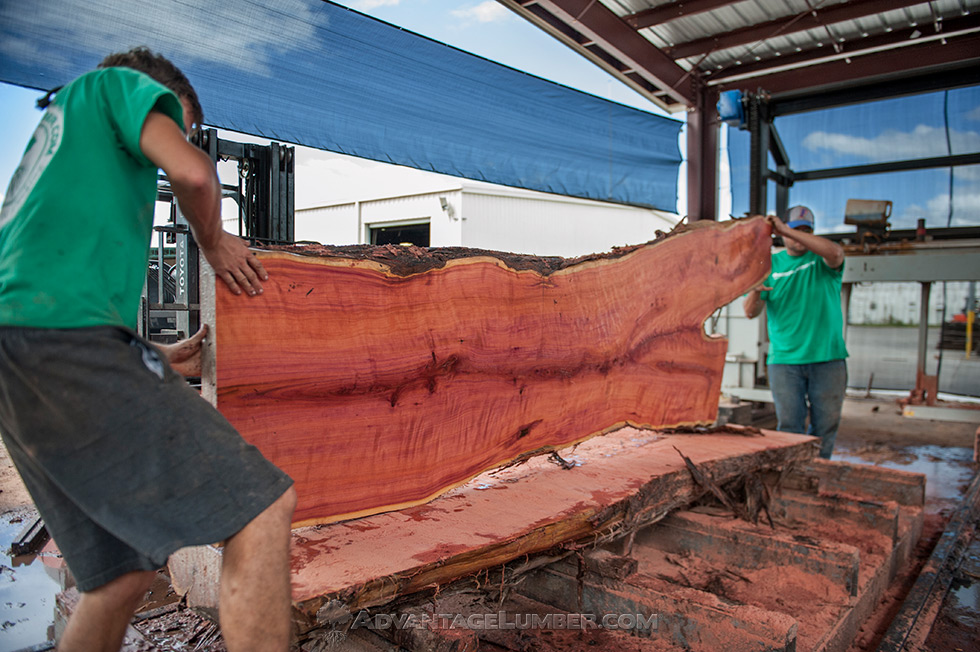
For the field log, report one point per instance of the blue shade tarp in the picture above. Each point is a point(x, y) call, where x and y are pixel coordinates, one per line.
point(313, 73)
point(919, 126)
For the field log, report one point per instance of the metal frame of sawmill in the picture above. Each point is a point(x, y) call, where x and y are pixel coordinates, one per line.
point(761, 110)
point(930, 262)
point(682, 54)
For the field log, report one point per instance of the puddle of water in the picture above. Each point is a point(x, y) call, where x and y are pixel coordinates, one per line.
point(947, 469)
point(966, 592)
point(27, 590)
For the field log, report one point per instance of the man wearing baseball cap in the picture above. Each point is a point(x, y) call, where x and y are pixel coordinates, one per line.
point(806, 361)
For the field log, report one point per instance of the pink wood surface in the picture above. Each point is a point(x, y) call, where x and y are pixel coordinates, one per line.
point(376, 391)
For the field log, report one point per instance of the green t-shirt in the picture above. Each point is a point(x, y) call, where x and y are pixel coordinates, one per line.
point(76, 219)
point(803, 310)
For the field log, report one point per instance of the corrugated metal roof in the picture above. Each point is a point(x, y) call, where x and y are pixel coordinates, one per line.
point(664, 48)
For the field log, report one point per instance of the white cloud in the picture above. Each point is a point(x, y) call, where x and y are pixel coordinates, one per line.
point(485, 12)
point(967, 173)
point(891, 145)
point(966, 209)
point(974, 114)
point(248, 41)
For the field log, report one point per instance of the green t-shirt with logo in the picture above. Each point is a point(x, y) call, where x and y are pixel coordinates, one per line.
point(803, 310)
point(76, 219)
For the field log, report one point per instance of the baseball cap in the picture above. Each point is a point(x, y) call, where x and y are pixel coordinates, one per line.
point(799, 216)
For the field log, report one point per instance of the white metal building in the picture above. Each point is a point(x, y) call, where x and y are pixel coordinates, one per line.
point(485, 216)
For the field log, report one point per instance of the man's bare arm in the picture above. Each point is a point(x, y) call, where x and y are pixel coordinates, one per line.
point(830, 251)
point(753, 303)
point(185, 356)
point(195, 184)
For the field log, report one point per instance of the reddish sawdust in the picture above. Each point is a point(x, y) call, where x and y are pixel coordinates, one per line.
point(874, 545)
point(590, 638)
point(873, 629)
point(814, 601)
point(564, 640)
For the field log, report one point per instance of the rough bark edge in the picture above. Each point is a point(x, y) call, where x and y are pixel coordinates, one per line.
point(408, 261)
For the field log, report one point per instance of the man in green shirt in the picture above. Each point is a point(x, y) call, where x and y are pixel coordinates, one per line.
point(806, 361)
point(125, 462)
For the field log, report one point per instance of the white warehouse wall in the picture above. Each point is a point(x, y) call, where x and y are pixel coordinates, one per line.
point(336, 225)
point(350, 222)
point(552, 225)
point(444, 230)
point(484, 216)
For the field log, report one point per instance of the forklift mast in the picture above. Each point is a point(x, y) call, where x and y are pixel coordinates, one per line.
point(264, 195)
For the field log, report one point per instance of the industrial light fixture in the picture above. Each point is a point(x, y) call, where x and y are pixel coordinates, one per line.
point(446, 206)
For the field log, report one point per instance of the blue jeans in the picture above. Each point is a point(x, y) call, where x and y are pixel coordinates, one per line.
point(817, 390)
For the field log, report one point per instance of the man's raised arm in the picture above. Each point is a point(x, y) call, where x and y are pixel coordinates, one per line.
point(198, 191)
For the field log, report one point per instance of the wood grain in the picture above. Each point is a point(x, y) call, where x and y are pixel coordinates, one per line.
point(377, 391)
point(621, 482)
point(521, 516)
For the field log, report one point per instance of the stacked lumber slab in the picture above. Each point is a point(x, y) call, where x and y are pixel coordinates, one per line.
point(612, 485)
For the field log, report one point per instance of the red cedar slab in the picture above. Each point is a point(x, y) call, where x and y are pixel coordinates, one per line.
point(625, 479)
point(376, 391)
point(619, 483)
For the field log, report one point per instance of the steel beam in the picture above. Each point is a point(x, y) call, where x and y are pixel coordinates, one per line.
point(702, 158)
point(608, 31)
point(832, 73)
point(672, 11)
point(954, 160)
point(809, 19)
point(759, 128)
point(756, 395)
point(852, 51)
point(929, 82)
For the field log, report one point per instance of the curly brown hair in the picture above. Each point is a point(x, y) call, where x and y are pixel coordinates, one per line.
point(160, 69)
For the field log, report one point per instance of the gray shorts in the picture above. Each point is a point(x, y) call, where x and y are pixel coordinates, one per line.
point(124, 460)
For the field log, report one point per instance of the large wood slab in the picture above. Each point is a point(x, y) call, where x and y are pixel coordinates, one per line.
point(624, 479)
point(377, 387)
point(620, 482)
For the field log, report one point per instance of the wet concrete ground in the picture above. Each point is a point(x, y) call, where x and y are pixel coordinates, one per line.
point(958, 624)
point(27, 588)
point(947, 470)
point(872, 432)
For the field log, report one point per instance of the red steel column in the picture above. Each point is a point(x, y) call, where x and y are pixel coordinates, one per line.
point(702, 157)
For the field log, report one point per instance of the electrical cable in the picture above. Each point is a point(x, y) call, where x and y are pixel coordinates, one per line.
point(949, 220)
